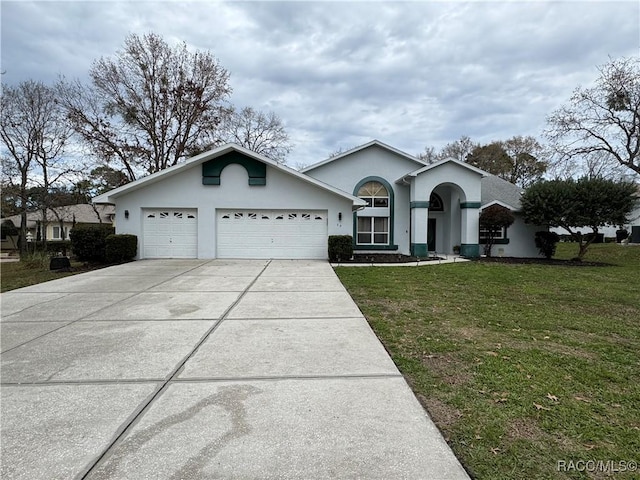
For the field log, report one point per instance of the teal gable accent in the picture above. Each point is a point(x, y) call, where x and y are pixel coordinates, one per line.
point(470, 250)
point(212, 169)
point(470, 204)
point(419, 204)
point(419, 250)
point(390, 245)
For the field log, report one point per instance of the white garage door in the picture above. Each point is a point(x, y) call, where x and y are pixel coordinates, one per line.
point(272, 234)
point(170, 233)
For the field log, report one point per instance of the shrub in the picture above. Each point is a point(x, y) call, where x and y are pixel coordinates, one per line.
point(547, 242)
point(494, 218)
point(52, 247)
point(340, 247)
point(88, 241)
point(621, 234)
point(120, 248)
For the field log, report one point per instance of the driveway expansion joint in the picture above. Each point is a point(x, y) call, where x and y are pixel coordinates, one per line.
point(146, 405)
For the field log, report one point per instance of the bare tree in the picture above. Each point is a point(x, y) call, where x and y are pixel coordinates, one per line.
point(458, 150)
point(263, 133)
point(430, 155)
point(34, 134)
point(149, 105)
point(604, 118)
point(526, 164)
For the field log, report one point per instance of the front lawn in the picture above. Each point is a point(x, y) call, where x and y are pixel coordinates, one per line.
point(529, 371)
point(22, 274)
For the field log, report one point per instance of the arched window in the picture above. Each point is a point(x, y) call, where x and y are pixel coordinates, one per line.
point(373, 226)
point(435, 203)
point(375, 194)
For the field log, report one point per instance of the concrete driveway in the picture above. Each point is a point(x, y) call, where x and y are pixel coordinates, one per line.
point(191, 369)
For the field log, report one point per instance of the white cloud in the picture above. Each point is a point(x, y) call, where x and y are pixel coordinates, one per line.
point(338, 74)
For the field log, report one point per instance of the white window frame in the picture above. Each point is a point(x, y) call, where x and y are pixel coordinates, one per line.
point(53, 233)
point(374, 223)
point(500, 235)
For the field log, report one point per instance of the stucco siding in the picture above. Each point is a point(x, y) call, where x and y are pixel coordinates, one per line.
point(345, 173)
point(185, 190)
point(521, 240)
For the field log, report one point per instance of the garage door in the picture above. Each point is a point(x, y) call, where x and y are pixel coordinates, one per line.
point(271, 234)
point(170, 233)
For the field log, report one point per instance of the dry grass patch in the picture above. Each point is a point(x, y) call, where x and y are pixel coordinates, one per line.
point(520, 366)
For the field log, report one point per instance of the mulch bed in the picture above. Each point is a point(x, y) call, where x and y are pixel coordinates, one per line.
point(541, 261)
point(385, 258)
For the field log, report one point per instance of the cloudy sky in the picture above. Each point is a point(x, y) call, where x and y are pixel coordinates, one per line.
point(339, 74)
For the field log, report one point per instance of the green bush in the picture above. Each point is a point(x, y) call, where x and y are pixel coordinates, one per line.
point(121, 248)
point(340, 247)
point(88, 241)
point(547, 242)
point(52, 247)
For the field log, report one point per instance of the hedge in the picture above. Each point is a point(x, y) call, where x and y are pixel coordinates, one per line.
point(121, 248)
point(340, 247)
point(88, 241)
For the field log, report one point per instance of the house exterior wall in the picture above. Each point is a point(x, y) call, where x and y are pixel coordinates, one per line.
point(345, 173)
point(185, 190)
point(521, 238)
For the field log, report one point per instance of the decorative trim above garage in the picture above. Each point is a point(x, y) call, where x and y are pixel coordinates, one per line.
point(212, 169)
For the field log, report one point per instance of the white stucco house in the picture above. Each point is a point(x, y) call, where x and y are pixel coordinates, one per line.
point(230, 202)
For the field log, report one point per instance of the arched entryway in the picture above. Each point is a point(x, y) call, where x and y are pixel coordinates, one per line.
point(445, 202)
point(444, 218)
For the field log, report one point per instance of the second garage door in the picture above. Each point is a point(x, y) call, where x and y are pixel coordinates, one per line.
point(272, 234)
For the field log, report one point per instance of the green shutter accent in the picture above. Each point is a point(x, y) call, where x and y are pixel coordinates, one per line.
point(212, 169)
point(470, 250)
point(470, 204)
point(419, 250)
point(211, 180)
point(419, 204)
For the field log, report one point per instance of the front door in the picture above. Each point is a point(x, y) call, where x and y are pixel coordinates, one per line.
point(431, 234)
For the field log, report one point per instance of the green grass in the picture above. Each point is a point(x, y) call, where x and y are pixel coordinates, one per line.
point(520, 366)
point(22, 274)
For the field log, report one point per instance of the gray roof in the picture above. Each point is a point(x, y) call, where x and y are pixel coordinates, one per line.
point(81, 213)
point(496, 189)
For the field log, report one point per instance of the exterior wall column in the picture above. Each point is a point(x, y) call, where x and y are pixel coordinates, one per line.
point(470, 229)
point(419, 216)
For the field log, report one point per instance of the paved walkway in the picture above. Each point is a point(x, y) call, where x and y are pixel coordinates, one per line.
point(201, 369)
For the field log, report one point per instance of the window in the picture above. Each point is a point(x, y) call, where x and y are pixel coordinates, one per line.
point(374, 224)
point(373, 230)
point(56, 233)
point(375, 194)
point(499, 235)
point(435, 203)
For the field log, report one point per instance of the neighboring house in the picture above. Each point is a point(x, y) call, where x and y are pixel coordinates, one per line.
point(609, 231)
point(233, 203)
point(60, 221)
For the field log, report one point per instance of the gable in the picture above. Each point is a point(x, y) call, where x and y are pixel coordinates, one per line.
point(209, 166)
point(415, 162)
point(372, 161)
point(212, 169)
